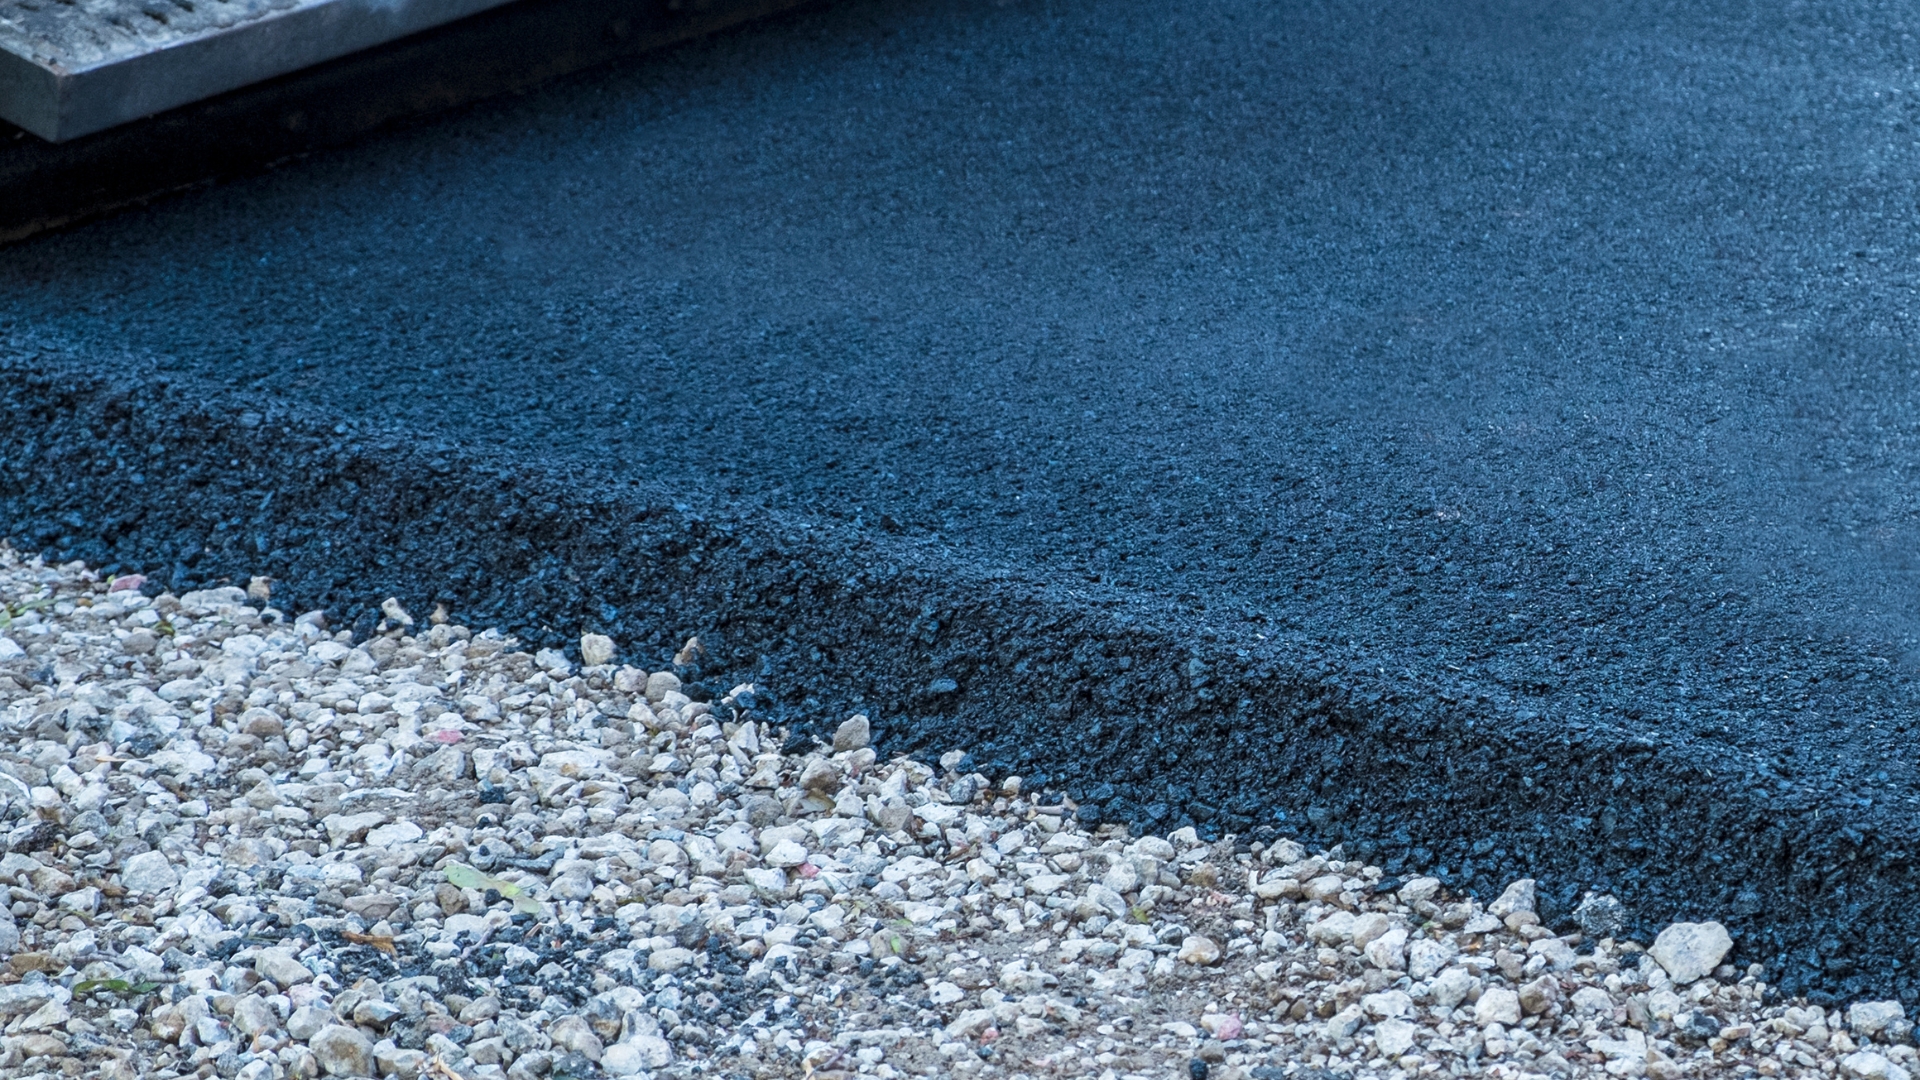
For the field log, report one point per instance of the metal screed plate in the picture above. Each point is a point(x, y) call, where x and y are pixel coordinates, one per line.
point(72, 67)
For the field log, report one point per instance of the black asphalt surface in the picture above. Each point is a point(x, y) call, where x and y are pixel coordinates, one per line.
point(1480, 432)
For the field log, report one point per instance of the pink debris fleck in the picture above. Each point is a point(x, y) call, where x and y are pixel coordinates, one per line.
point(808, 870)
point(446, 735)
point(128, 583)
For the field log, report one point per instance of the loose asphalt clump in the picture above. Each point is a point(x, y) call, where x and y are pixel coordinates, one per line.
point(240, 844)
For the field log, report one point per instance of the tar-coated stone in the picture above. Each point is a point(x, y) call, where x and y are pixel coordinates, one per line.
point(1480, 436)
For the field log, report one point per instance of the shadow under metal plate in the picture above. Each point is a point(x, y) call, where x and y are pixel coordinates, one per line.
point(72, 67)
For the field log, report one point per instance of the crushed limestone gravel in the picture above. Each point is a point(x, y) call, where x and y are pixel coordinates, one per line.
point(239, 844)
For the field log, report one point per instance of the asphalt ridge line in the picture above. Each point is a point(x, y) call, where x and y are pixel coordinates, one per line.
point(1139, 717)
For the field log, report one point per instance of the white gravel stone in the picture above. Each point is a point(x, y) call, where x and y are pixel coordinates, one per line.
point(1518, 897)
point(1870, 1065)
point(1426, 957)
point(149, 872)
point(1107, 900)
point(1870, 1018)
point(1121, 878)
point(252, 1016)
point(1199, 950)
point(1452, 986)
point(1388, 1004)
point(1388, 952)
point(631, 1058)
point(279, 966)
point(1393, 1038)
point(854, 733)
point(20, 998)
point(1368, 927)
point(786, 854)
point(344, 829)
point(596, 649)
point(307, 1021)
point(342, 1051)
point(1344, 1023)
point(1690, 951)
point(1420, 890)
point(1497, 1005)
point(394, 834)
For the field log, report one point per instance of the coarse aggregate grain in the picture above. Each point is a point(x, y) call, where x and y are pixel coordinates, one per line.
point(240, 844)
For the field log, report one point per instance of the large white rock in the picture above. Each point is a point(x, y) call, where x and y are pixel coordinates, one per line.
point(1591, 1000)
point(595, 649)
point(1369, 926)
point(1394, 1037)
point(1388, 1004)
point(1451, 987)
point(1199, 950)
point(852, 734)
point(1420, 888)
point(1690, 951)
point(1518, 897)
point(670, 959)
point(1867, 1065)
point(1388, 951)
point(342, 1051)
point(1344, 1023)
point(149, 872)
point(1870, 1018)
point(1333, 931)
point(343, 829)
point(307, 1020)
point(392, 836)
point(1107, 900)
point(252, 1015)
point(786, 853)
point(26, 997)
point(1497, 1005)
point(1426, 957)
point(279, 966)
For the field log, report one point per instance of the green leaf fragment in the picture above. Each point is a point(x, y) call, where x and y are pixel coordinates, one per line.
point(118, 986)
point(462, 876)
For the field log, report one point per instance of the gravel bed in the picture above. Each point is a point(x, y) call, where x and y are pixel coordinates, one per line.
point(238, 843)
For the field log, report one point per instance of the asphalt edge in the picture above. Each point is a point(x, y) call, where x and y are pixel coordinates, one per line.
point(1210, 727)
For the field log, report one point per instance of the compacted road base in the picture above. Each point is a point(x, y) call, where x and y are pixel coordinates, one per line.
point(1480, 434)
point(247, 845)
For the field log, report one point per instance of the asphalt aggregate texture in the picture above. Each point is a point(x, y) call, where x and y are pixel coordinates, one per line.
point(1478, 433)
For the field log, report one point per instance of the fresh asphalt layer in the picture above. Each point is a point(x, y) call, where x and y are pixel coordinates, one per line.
point(1481, 433)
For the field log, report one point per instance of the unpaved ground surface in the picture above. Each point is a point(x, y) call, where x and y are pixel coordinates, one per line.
point(241, 844)
point(1518, 388)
